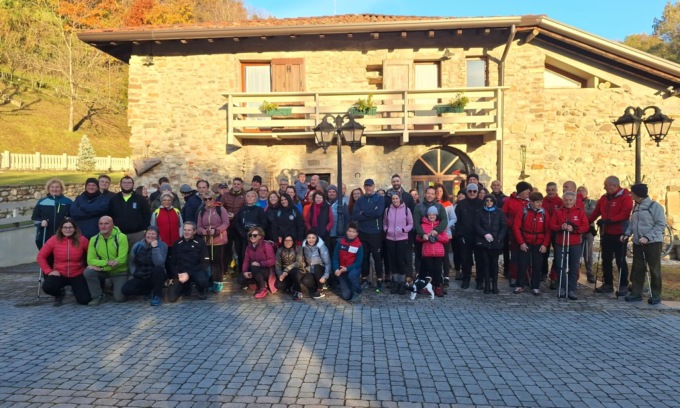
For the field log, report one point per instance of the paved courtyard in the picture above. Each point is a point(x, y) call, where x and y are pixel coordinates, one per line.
point(467, 349)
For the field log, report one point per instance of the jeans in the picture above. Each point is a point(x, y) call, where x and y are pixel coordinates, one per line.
point(349, 283)
point(95, 280)
point(54, 286)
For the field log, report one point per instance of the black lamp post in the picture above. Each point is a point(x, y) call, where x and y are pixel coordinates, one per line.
point(340, 126)
point(629, 127)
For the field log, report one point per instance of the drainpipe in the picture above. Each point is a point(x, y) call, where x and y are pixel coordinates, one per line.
point(501, 80)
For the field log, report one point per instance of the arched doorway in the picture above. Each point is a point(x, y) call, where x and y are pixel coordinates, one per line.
point(444, 165)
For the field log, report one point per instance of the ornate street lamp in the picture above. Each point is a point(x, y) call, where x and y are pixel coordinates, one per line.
point(339, 126)
point(630, 124)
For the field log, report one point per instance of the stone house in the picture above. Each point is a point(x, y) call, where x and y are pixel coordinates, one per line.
point(542, 96)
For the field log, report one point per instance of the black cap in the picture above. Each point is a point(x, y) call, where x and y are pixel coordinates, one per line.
point(640, 190)
point(369, 182)
point(257, 178)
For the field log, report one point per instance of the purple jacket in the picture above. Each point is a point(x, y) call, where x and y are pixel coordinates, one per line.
point(397, 222)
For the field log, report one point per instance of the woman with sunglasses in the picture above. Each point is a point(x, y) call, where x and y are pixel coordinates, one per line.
point(258, 263)
point(491, 228)
point(68, 251)
point(289, 264)
point(213, 222)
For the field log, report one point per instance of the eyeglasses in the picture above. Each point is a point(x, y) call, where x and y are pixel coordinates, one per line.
point(472, 191)
point(208, 199)
point(253, 235)
point(288, 240)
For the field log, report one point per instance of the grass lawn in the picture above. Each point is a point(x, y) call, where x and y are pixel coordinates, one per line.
point(670, 276)
point(26, 178)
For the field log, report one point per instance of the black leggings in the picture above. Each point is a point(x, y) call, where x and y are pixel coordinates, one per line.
point(142, 287)
point(260, 277)
point(431, 267)
point(54, 286)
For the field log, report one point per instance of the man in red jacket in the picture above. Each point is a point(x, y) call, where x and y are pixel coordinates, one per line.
point(614, 208)
point(511, 207)
point(569, 223)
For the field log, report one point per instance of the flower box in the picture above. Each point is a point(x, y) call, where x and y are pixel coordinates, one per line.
point(279, 112)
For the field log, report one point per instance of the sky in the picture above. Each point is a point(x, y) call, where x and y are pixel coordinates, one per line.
point(611, 19)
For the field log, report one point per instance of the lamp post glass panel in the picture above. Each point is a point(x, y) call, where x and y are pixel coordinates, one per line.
point(339, 126)
point(629, 127)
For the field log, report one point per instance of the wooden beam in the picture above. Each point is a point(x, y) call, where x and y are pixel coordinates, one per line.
point(210, 40)
point(430, 34)
point(236, 39)
point(375, 36)
point(157, 42)
point(404, 34)
point(349, 35)
point(532, 35)
point(183, 41)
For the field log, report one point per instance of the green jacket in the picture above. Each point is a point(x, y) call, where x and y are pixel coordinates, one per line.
point(102, 250)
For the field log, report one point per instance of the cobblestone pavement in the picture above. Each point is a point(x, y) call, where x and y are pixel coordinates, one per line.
point(467, 349)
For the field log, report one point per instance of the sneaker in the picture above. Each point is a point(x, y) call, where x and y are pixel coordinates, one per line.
point(633, 298)
point(572, 295)
point(156, 301)
point(356, 298)
point(553, 284)
point(446, 282)
point(319, 295)
point(536, 292)
point(297, 295)
point(96, 301)
point(378, 287)
point(518, 290)
point(261, 293)
point(217, 287)
point(605, 289)
point(438, 292)
point(654, 300)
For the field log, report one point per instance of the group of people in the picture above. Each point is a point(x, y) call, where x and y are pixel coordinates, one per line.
point(310, 235)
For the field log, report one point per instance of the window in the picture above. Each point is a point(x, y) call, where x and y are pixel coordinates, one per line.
point(476, 72)
point(554, 77)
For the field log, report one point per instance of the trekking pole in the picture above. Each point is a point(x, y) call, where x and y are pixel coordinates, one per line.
point(648, 273)
point(599, 260)
point(40, 271)
point(559, 286)
point(622, 259)
point(566, 266)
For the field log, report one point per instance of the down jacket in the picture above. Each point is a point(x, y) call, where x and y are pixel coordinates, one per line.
point(615, 210)
point(432, 249)
point(317, 255)
point(490, 222)
point(68, 260)
point(574, 216)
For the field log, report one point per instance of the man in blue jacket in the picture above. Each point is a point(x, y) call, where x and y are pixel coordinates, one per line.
point(368, 213)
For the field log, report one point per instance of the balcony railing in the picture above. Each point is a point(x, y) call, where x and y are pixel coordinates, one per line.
point(401, 113)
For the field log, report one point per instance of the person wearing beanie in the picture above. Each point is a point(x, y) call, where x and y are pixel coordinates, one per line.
point(490, 228)
point(192, 203)
point(420, 211)
point(466, 212)
point(147, 267)
point(512, 206)
point(613, 209)
point(130, 211)
point(156, 194)
point(433, 251)
point(89, 207)
point(256, 183)
point(646, 227)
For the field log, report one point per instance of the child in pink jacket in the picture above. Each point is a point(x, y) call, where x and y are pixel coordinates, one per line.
point(433, 251)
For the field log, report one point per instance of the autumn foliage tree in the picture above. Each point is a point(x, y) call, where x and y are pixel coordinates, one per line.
point(665, 38)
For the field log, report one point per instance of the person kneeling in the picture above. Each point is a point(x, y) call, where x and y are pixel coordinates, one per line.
point(289, 263)
point(258, 262)
point(107, 257)
point(318, 263)
point(147, 267)
point(189, 265)
point(347, 258)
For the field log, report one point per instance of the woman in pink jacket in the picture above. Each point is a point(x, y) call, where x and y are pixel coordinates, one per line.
point(62, 259)
point(213, 221)
point(397, 223)
point(433, 251)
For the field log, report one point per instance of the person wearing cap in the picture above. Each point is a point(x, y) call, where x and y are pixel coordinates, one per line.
point(646, 227)
point(466, 212)
point(164, 188)
point(614, 208)
point(89, 207)
point(255, 183)
point(157, 194)
point(420, 211)
point(222, 189)
point(192, 202)
point(146, 263)
point(514, 205)
point(368, 212)
point(283, 185)
point(130, 211)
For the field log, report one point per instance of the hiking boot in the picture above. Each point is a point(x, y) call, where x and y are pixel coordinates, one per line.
point(156, 301)
point(260, 293)
point(465, 284)
point(623, 291)
point(459, 275)
point(319, 294)
point(572, 295)
point(217, 287)
point(591, 278)
point(494, 287)
point(297, 296)
point(356, 298)
point(480, 285)
point(438, 292)
point(654, 300)
point(553, 284)
point(513, 283)
point(605, 289)
point(633, 298)
point(96, 301)
point(562, 294)
point(379, 287)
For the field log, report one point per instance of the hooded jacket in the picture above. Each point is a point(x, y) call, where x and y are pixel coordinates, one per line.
point(87, 210)
point(512, 206)
point(421, 211)
point(317, 255)
point(368, 212)
point(397, 222)
point(67, 259)
point(648, 220)
point(432, 249)
point(143, 258)
point(192, 203)
point(101, 250)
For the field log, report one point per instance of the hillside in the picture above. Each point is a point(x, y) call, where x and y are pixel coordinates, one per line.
point(41, 126)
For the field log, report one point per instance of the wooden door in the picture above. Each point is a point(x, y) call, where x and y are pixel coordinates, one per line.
point(288, 75)
point(397, 74)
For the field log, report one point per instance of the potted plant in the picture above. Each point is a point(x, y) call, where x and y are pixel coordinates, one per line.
point(364, 107)
point(272, 109)
point(457, 104)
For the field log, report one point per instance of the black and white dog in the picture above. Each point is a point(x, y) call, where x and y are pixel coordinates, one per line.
point(420, 285)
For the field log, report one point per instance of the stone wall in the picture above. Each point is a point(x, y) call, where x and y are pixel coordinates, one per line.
point(176, 111)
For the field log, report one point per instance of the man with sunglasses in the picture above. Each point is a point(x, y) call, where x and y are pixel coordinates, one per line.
point(466, 211)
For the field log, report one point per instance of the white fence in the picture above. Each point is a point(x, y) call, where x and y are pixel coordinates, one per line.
point(37, 161)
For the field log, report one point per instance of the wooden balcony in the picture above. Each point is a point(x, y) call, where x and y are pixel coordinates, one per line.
point(405, 114)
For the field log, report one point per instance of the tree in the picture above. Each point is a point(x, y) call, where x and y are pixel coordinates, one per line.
point(665, 38)
point(87, 157)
